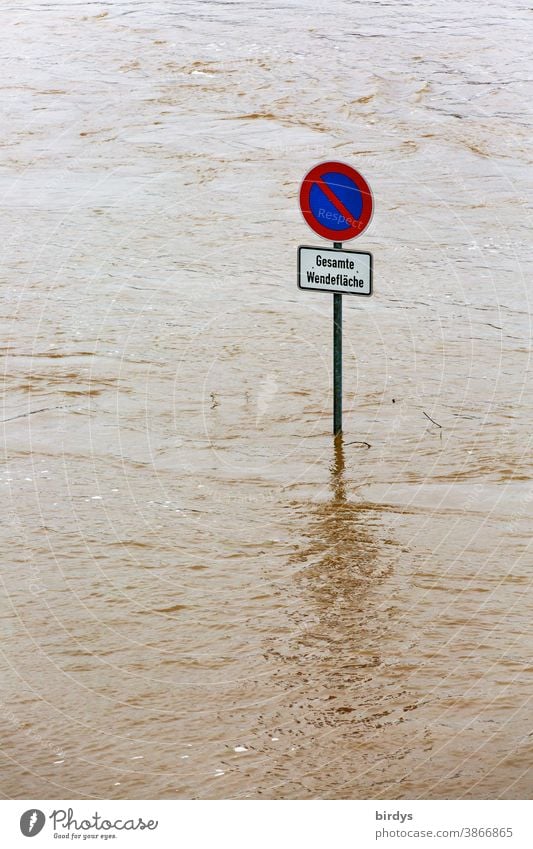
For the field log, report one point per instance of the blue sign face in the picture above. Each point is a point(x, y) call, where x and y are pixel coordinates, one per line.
point(330, 208)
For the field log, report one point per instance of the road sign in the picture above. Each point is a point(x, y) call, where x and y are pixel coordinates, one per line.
point(334, 270)
point(336, 201)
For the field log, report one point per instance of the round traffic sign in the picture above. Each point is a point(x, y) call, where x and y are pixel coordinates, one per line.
point(336, 201)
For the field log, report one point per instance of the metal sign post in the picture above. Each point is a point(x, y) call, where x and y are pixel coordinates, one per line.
point(336, 202)
point(337, 357)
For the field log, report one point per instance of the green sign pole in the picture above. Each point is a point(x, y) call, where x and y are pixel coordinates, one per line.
point(337, 358)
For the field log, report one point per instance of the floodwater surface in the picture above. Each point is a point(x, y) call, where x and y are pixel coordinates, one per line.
point(205, 596)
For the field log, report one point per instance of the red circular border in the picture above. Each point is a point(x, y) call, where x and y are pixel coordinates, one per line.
point(362, 185)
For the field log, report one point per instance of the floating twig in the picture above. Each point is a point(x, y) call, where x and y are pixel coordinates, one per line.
point(40, 410)
point(431, 420)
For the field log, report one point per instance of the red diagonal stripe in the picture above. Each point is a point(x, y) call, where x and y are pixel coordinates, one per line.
point(338, 204)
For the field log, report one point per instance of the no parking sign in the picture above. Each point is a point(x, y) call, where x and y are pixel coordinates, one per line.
point(336, 201)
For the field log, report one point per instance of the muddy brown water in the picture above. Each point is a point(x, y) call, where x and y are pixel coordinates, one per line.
point(203, 595)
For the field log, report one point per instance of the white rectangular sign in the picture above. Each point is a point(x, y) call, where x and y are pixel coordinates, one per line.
point(332, 270)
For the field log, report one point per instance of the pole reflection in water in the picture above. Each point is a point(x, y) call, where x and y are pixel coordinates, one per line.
point(337, 654)
point(343, 559)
